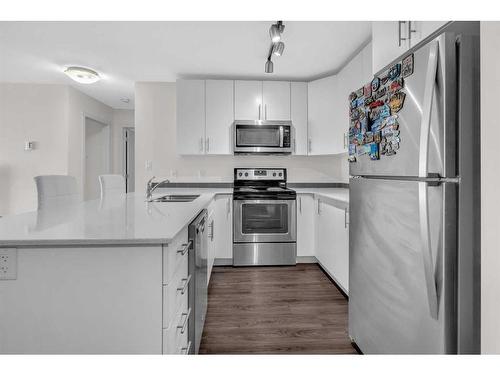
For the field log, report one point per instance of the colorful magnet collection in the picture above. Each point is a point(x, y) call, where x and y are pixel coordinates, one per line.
point(374, 127)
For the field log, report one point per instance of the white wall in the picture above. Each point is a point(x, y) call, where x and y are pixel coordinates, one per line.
point(490, 180)
point(52, 117)
point(36, 113)
point(79, 105)
point(122, 118)
point(155, 140)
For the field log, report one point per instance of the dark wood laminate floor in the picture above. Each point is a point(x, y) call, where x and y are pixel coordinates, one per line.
point(289, 310)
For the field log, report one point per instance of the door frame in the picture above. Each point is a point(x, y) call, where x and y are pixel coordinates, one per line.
point(107, 129)
point(125, 129)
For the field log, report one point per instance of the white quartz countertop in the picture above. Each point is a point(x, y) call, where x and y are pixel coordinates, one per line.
point(338, 197)
point(123, 219)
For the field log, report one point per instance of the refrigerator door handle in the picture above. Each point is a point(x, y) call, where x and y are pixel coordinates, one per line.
point(430, 280)
point(425, 126)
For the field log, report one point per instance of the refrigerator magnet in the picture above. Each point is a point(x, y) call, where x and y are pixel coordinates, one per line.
point(396, 101)
point(375, 84)
point(407, 68)
point(395, 71)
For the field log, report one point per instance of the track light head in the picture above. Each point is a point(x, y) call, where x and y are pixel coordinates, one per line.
point(269, 66)
point(278, 48)
point(275, 33)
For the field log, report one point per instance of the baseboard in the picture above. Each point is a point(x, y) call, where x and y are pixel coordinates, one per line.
point(334, 281)
point(223, 262)
point(307, 259)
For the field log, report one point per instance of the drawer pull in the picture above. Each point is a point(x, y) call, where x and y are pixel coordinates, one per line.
point(185, 247)
point(183, 288)
point(185, 350)
point(183, 325)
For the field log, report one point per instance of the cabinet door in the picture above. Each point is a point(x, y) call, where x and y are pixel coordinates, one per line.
point(422, 29)
point(248, 100)
point(212, 243)
point(219, 101)
point(298, 100)
point(367, 58)
point(332, 245)
point(386, 45)
point(305, 225)
point(190, 117)
point(323, 104)
point(276, 99)
point(223, 229)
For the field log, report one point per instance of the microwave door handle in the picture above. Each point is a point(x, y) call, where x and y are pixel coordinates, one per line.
point(281, 136)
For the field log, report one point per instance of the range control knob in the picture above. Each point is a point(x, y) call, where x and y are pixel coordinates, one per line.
point(280, 174)
point(246, 174)
point(274, 174)
point(240, 174)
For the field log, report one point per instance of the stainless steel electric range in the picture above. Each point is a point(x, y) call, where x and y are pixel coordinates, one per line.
point(265, 218)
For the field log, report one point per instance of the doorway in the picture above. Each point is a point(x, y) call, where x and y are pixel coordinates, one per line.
point(129, 158)
point(96, 156)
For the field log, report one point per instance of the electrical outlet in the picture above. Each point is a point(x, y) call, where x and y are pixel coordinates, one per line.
point(8, 264)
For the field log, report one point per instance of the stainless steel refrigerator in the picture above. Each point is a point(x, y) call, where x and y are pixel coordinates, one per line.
point(414, 240)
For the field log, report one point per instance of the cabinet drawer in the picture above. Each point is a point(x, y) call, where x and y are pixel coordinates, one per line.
point(173, 254)
point(175, 293)
point(175, 337)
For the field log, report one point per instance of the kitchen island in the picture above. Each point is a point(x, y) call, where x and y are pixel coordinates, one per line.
point(102, 276)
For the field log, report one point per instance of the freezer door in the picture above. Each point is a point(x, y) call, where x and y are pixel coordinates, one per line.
point(402, 262)
point(427, 127)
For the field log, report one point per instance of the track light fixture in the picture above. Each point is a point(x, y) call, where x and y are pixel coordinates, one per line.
point(269, 66)
point(277, 45)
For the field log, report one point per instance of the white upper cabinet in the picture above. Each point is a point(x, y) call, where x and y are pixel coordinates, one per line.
point(190, 117)
point(298, 100)
point(422, 29)
point(248, 100)
point(276, 100)
point(219, 101)
point(323, 107)
point(390, 39)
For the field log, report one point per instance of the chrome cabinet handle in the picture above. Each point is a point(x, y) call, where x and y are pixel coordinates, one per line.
point(183, 325)
point(259, 111)
point(300, 204)
point(211, 234)
point(207, 144)
point(400, 23)
point(410, 30)
point(265, 111)
point(319, 207)
point(346, 223)
point(185, 350)
point(183, 288)
point(294, 146)
point(185, 247)
point(309, 145)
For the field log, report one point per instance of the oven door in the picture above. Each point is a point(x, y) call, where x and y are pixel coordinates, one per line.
point(265, 221)
point(262, 138)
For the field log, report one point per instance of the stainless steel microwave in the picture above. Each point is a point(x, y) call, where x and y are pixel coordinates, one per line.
point(262, 137)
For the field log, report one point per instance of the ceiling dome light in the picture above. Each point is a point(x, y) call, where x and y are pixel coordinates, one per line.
point(275, 33)
point(82, 75)
point(269, 66)
point(278, 48)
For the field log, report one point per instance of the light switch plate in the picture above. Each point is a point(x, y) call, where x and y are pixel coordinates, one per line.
point(8, 264)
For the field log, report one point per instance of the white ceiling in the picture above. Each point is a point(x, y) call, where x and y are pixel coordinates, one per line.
point(127, 52)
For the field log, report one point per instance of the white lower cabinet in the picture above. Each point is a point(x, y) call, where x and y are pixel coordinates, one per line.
point(211, 240)
point(223, 228)
point(305, 225)
point(176, 281)
point(332, 242)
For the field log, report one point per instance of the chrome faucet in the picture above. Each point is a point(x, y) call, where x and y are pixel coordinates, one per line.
point(151, 186)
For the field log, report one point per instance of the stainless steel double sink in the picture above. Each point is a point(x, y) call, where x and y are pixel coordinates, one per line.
point(175, 198)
